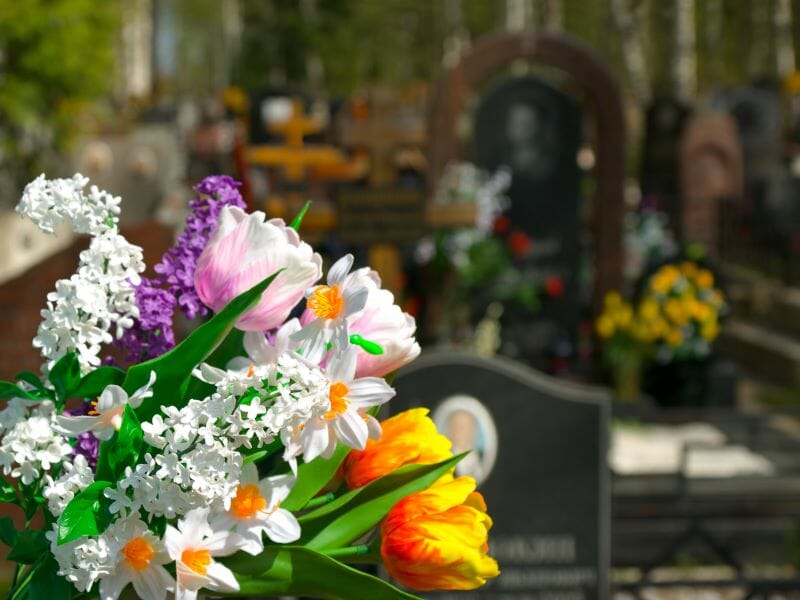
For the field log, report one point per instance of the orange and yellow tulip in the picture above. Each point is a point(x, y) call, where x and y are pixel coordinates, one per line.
point(408, 438)
point(437, 539)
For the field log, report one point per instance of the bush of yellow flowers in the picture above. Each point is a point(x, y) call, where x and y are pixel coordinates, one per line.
point(675, 319)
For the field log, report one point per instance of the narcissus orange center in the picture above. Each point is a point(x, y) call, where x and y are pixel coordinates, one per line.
point(339, 403)
point(197, 560)
point(326, 302)
point(248, 501)
point(138, 553)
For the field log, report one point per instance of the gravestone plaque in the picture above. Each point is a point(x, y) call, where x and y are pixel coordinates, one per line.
point(665, 120)
point(539, 454)
point(535, 130)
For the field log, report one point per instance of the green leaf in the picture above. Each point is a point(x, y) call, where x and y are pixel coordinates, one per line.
point(8, 533)
point(174, 369)
point(352, 515)
point(297, 571)
point(298, 220)
point(29, 547)
point(65, 375)
point(86, 514)
point(313, 476)
point(9, 390)
point(123, 449)
point(7, 492)
point(93, 384)
point(33, 379)
point(47, 584)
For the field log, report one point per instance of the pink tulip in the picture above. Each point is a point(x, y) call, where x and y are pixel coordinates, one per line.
point(380, 321)
point(245, 250)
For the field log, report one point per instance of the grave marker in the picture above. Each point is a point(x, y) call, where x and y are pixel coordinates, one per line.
point(539, 452)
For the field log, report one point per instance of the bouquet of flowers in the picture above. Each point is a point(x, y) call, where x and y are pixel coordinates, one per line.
point(246, 460)
point(676, 319)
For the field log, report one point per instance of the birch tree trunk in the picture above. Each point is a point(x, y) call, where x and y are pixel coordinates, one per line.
point(519, 14)
point(634, 56)
point(457, 40)
point(684, 62)
point(784, 46)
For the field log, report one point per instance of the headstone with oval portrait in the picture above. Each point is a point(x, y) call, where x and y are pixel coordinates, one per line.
point(539, 455)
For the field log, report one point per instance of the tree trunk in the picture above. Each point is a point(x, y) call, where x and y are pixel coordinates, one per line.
point(784, 46)
point(634, 56)
point(684, 63)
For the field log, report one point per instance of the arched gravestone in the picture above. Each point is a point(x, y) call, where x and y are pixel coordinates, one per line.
point(490, 56)
point(527, 125)
point(539, 452)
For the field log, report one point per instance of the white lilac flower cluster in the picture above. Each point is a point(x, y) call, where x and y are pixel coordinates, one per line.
point(30, 444)
point(99, 298)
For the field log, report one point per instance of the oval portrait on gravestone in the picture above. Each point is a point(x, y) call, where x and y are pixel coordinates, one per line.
point(469, 425)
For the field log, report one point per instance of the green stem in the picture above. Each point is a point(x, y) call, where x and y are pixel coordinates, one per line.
point(15, 592)
point(349, 551)
point(319, 501)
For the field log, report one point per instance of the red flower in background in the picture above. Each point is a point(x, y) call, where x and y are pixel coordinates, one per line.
point(554, 286)
point(520, 243)
point(501, 225)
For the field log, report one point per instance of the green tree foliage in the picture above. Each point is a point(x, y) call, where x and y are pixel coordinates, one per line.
point(54, 56)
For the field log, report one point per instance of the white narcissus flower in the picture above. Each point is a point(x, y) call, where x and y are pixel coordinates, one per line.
point(140, 557)
point(106, 417)
point(192, 546)
point(383, 322)
point(345, 418)
point(256, 509)
point(330, 306)
point(265, 350)
point(246, 249)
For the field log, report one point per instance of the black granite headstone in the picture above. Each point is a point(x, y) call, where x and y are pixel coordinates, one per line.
point(539, 453)
point(534, 129)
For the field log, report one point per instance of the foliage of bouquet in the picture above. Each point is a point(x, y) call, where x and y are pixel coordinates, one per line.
point(676, 319)
point(245, 460)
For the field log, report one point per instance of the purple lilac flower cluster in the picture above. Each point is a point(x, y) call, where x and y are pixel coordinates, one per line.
point(157, 298)
point(178, 264)
point(86, 443)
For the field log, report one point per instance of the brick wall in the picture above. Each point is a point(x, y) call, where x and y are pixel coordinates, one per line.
point(22, 298)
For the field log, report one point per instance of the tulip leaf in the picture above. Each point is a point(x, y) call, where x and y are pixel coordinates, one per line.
point(86, 514)
point(33, 379)
point(9, 390)
point(174, 368)
point(298, 220)
point(29, 546)
point(298, 571)
point(65, 375)
point(123, 449)
point(93, 383)
point(355, 513)
point(313, 476)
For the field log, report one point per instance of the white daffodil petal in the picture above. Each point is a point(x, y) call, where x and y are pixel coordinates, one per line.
point(355, 300)
point(369, 391)
point(258, 348)
point(315, 439)
point(342, 367)
point(282, 527)
point(153, 583)
point(112, 397)
point(340, 269)
point(351, 429)
point(276, 489)
point(111, 587)
point(75, 425)
point(239, 363)
point(222, 578)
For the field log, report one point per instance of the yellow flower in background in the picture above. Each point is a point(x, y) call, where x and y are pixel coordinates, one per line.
point(613, 300)
point(437, 539)
point(605, 326)
point(648, 309)
point(675, 311)
point(704, 279)
point(689, 269)
point(674, 337)
point(710, 330)
point(624, 316)
point(408, 438)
